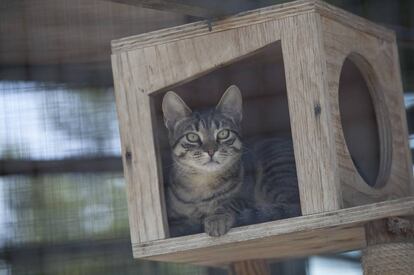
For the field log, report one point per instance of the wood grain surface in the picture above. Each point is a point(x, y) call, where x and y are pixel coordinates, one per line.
point(309, 41)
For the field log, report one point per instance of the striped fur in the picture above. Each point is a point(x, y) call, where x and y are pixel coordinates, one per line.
point(215, 183)
point(276, 187)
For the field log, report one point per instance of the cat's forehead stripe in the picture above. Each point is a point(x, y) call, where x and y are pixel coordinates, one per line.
point(202, 124)
point(215, 123)
point(206, 122)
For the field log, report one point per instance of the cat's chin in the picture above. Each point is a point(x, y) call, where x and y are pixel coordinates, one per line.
point(212, 166)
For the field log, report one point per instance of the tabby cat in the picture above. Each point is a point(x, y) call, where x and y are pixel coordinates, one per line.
point(216, 182)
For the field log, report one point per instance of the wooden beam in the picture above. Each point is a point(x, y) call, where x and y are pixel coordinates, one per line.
point(69, 165)
point(329, 232)
point(201, 8)
point(251, 267)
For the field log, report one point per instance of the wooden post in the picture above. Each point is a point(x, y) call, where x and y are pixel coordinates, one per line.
point(310, 115)
point(252, 267)
point(260, 267)
point(390, 247)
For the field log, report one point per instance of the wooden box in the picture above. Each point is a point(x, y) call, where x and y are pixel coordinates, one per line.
point(325, 77)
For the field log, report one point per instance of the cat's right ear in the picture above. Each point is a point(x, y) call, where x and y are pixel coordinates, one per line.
point(174, 109)
point(231, 103)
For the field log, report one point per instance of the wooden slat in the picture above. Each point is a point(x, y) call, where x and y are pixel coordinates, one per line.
point(251, 267)
point(202, 28)
point(147, 217)
point(197, 56)
point(310, 118)
point(279, 247)
point(270, 13)
point(329, 232)
point(198, 8)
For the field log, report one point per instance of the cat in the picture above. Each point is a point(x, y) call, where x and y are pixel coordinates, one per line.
point(216, 182)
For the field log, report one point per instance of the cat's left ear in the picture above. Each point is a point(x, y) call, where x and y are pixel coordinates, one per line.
point(174, 109)
point(231, 103)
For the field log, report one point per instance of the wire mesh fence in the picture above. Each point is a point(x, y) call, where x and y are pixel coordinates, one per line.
point(55, 121)
point(63, 204)
point(67, 222)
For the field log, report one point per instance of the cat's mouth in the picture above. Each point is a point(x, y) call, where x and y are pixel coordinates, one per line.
point(212, 162)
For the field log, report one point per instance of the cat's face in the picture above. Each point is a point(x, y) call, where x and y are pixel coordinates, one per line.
point(208, 141)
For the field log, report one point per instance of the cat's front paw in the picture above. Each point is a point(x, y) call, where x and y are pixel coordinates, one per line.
point(218, 224)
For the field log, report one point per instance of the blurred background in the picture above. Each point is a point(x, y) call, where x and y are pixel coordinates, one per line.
point(63, 205)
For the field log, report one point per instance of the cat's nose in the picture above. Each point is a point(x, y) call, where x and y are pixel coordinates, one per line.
point(211, 151)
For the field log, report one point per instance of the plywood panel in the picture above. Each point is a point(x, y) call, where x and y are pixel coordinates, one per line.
point(329, 232)
point(313, 139)
point(377, 61)
point(140, 157)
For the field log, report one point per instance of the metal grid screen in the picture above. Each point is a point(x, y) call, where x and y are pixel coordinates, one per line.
point(71, 219)
point(62, 195)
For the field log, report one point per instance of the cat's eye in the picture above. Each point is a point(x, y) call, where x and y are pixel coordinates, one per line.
point(223, 134)
point(191, 137)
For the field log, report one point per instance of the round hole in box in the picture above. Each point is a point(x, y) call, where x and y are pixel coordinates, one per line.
point(364, 121)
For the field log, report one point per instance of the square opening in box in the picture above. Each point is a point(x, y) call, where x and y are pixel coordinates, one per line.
point(225, 165)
